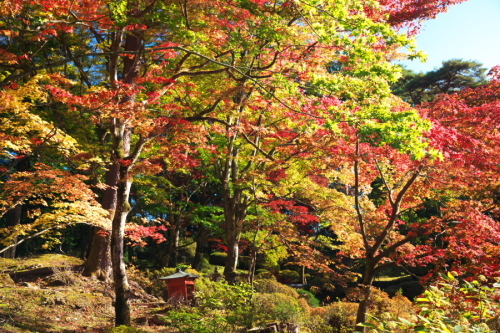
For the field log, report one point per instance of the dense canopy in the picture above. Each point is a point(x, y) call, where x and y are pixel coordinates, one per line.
point(276, 129)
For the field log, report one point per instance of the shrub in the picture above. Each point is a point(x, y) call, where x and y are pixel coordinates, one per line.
point(270, 286)
point(337, 317)
point(277, 307)
point(222, 308)
point(341, 316)
point(205, 266)
point(288, 276)
point(221, 295)
point(381, 302)
point(264, 274)
point(193, 320)
point(450, 306)
point(312, 301)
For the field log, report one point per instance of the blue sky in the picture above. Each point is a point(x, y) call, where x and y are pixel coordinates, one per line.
point(469, 31)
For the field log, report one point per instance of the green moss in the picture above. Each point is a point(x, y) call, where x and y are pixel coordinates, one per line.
point(38, 261)
point(309, 297)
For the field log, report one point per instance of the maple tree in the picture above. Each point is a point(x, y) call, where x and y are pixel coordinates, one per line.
point(410, 13)
point(459, 170)
point(57, 198)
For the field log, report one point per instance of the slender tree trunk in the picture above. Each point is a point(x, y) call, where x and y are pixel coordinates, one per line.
point(235, 211)
point(174, 258)
point(253, 264)
point(303, 275)
point(122, 151)
point(122, 287)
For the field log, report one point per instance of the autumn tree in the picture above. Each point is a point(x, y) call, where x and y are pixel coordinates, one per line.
point(56, 198)
point(458, 164)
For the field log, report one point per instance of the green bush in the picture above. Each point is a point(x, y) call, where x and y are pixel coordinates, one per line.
point(270, 286)
point(277, 307)
point(309, 297)
point(221, 308)
point(450, 306)
point(205, 266)
point(288, 276)
point(193, 320)
point(264, 274)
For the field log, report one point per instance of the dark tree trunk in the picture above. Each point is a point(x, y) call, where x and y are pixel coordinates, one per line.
point(200, 244)
point(13, 218)
point(98, 262)
point(14, 215)
point(169, 257)
point(366, 285)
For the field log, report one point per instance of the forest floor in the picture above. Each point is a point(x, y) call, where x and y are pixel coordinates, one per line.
point(56, 298)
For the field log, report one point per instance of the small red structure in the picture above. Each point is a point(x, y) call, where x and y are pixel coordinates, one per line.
point(180, 286)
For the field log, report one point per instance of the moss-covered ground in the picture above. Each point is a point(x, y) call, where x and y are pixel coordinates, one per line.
point(63, 302)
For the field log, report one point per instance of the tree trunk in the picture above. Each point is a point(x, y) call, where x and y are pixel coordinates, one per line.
point(200, 243)
point(14, 215)
point(253, 264)
point(367, 283)
point(235, 211)
point(99, 262)
point(303, 275)
point(233, 240)
point(169, 255)
point(122, 287)
point(13, 218)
